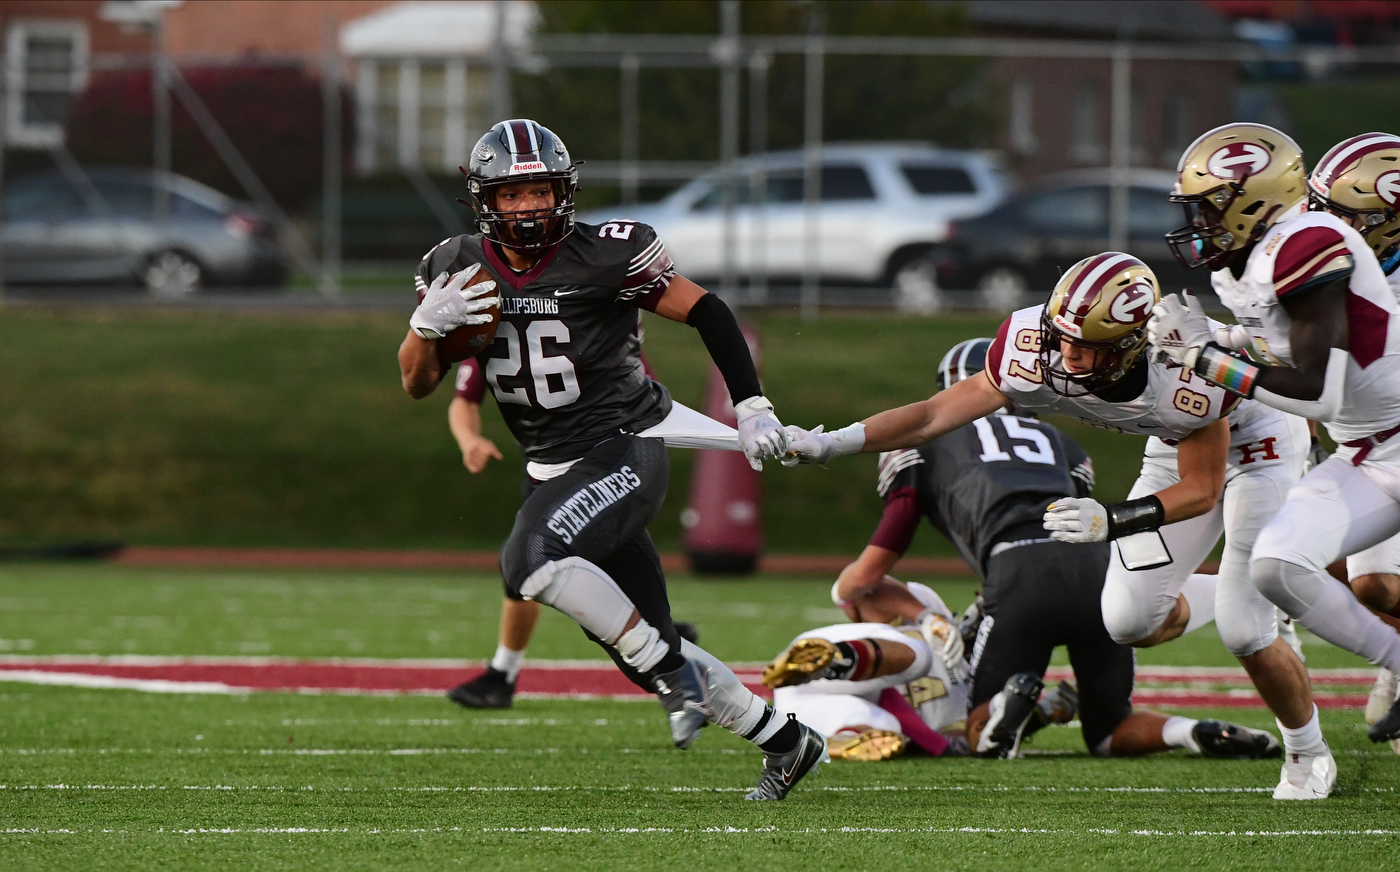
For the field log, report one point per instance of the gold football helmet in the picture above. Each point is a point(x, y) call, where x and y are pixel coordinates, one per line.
point(1233, 181)
point(1101, 305)
point(1358, 180)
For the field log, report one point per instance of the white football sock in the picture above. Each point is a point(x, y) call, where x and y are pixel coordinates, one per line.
point(1199, 591)
point(507, 661)
point(1338, 617)
point(732, 706)
point(1306, 740)
point(642, 646)
point(1176, 732)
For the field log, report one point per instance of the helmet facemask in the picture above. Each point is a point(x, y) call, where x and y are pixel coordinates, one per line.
point(1108, 368)
point(525, 229)
point(1205, 240)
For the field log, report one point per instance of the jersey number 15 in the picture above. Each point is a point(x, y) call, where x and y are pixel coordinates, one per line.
point(1017, 432)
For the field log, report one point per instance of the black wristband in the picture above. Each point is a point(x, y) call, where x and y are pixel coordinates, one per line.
point(1135, 516)
point(715, 323)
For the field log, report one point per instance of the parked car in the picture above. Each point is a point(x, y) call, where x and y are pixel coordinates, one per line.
point(883, 208)
point(1028, 241)
point(100, 226)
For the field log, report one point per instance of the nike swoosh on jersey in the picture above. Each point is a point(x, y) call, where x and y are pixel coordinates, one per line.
point(566, 293)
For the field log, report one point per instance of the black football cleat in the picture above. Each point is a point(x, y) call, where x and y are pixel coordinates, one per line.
point(1229, 741)
point(685, 698)
point(1011, 709)
point(687, 631)
point(781, 772)
point(489, 690)
point(1388, 727)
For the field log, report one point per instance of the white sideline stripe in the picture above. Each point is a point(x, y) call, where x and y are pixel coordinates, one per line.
point(1093, 831)
point(107, 682)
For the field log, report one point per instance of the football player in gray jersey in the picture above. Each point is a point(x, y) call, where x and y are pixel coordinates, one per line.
point(565, 371)
point(985, 487)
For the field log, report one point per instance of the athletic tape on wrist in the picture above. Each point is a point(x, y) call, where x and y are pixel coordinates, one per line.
point(1135, 516)
point(1220, 367)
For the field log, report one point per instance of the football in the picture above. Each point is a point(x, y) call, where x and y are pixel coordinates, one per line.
point(469, 341)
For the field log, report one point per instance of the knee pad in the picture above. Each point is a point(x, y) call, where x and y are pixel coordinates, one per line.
point(1243, 637)
point(584, 592)
point(1125, 616)
point(1289, 586)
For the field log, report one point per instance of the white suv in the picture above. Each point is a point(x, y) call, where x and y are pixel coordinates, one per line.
point(883, 207)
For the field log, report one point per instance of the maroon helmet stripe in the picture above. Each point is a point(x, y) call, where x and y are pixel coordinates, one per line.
point(1345, 154)
point(1079, 299)
point(522, 138)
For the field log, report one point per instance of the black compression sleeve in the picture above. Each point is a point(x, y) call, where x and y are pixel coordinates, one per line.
point(1135, 516)
point(714, 322)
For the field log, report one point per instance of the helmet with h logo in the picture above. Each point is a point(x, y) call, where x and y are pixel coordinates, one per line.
point(1100, 305)
point(1234, 182)
point(1358, 180)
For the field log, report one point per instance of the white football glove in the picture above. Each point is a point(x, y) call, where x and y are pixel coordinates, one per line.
point(815, 446)
point(943, 637)
point(1233, 336)
point(446, 306)
point(760, 434)
point(1077, 520)
point(1180, 328)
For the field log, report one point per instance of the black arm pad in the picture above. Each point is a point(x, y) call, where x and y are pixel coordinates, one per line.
point(728, 349)
point(1135, 516)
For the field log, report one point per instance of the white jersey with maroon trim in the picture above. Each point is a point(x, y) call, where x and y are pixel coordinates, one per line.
point(1305, 251)
point(1174, 403)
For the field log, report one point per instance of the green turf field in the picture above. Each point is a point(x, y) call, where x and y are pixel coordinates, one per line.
point(219, 428)
point(118, 779)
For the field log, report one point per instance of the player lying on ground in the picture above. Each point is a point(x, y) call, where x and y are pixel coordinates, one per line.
point(565, 372)
point(495, 687)
point(872, 688)
point(985, 487)
point(1358, 180)
point(1311, 300)
point(1214, 463)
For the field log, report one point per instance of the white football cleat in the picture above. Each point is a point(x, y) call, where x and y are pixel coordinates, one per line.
point(1306, 777)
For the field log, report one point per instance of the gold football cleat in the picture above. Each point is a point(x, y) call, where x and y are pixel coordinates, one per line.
point(800, 663)
point(868, 746)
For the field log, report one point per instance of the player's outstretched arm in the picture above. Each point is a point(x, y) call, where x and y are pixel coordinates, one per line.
point(905, 427)
point(760, 433)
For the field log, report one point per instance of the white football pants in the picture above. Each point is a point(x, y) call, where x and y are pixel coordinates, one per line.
point(831, 706)
point(1336, 510)
point(1256, 484)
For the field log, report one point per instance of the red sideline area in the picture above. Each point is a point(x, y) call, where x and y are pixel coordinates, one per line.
point(370, 558)
point(1162, 686)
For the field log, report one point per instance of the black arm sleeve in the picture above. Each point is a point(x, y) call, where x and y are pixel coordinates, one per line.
point(715, 323)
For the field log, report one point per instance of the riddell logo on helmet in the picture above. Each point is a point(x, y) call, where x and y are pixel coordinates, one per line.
point(1068, 326)
point(534, 166)
point(1238, 160)
point(1388, 188)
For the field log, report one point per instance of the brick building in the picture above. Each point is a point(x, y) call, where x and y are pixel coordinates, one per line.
point(1057, 110)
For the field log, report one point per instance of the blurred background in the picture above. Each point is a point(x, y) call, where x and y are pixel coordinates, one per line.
point(212, 212)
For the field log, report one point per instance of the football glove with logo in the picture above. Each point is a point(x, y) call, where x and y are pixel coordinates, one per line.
point(816, 446)
point(1180, 328)
point(450, 304)
point(760, 434)
point(1077, 520)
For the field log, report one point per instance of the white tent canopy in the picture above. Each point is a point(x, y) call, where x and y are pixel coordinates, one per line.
point(464, 28)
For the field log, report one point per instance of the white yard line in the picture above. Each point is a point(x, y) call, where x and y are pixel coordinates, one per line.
point(726, 831)
point(627, 788)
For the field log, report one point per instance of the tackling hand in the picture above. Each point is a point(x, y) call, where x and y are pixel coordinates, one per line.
point(942, 637)
point(1077, 520)
point(447, 306)
point(1179, 327)
point(815, 446)
point(760, 434)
